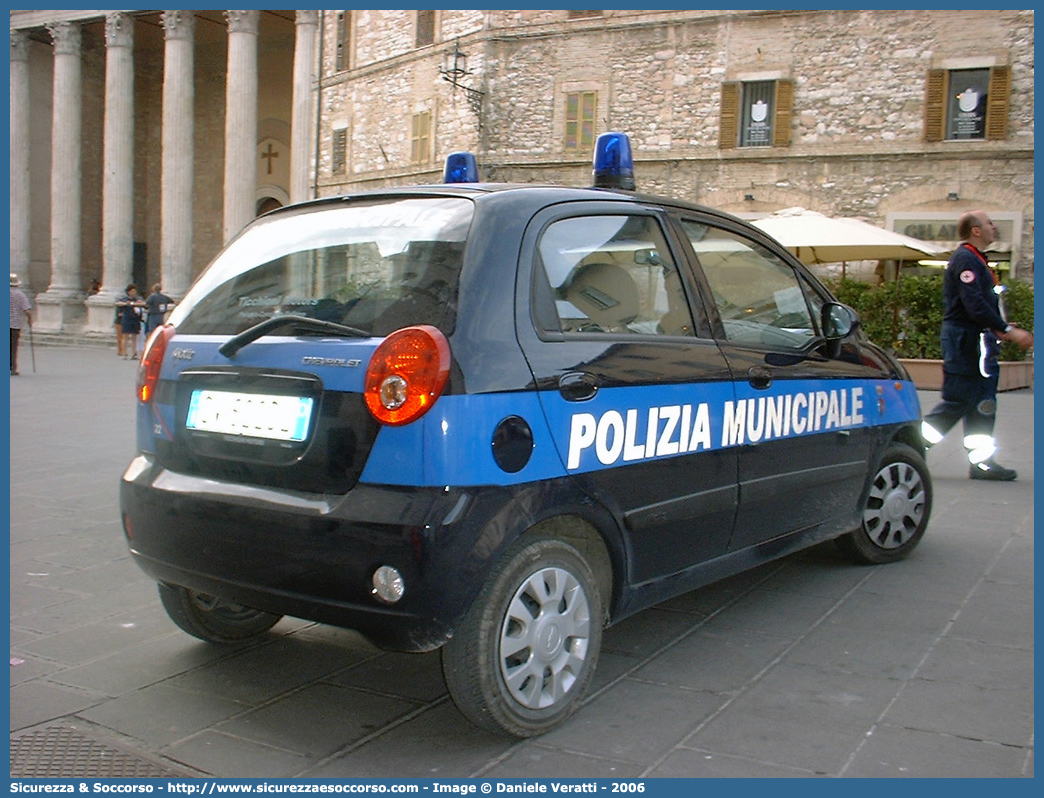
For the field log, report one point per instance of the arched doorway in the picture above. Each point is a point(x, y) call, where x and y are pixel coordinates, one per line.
point(266, 204)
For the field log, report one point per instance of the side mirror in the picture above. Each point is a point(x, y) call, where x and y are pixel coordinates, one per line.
point(839, 321)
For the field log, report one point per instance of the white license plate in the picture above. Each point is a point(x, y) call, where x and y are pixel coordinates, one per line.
point(254, 415)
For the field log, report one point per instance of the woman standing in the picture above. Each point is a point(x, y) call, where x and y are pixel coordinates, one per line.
point(129, 309)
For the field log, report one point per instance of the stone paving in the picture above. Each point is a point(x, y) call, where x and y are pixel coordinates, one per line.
point(809, 667)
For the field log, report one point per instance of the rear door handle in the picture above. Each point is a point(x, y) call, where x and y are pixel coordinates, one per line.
point(577, 386)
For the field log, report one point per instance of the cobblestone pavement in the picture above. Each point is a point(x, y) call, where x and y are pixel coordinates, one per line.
point(805, 667)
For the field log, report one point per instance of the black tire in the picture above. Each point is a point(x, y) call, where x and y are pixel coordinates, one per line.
point(896, 512)
point(523, 657)
point(212, 619)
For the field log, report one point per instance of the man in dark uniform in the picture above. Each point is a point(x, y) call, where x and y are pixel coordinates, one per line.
point(972, 324)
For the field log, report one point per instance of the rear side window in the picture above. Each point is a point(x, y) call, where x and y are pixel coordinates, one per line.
point(375, 266)
point(614, 275)
point(760, 299)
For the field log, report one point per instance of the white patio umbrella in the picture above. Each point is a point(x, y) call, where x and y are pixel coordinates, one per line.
point(815, 238)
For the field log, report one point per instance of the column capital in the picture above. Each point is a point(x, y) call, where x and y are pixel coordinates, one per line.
point(19, 46)
point(119, 29)
point(307, 17)
point(66, 36)
point(178, 24)
point(243, 21)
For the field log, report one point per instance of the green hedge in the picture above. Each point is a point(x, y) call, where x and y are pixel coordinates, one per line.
point(905, 315)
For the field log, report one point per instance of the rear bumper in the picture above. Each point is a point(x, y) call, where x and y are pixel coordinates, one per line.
point(313, 556)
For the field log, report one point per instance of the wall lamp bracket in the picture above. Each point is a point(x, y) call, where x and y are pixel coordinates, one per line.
point(454, 68)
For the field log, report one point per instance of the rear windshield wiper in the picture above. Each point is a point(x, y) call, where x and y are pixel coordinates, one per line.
point(251, 334)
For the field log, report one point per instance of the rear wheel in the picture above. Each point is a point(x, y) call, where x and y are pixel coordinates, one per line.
point(524, 655)
point(897, 508)
point(211, 618)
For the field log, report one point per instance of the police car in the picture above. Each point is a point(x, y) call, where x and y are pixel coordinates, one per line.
point(494, 419)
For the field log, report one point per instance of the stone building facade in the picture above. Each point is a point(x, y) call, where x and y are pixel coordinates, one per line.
point(142, 140)
point(858, 137)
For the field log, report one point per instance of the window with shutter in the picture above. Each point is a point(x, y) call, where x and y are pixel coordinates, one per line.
point(756, 113)
point(967, 104)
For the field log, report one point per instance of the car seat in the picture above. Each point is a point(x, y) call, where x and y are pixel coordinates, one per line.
point(606, 293)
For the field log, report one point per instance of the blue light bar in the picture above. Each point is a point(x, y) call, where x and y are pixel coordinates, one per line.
point(613, 165)
point(461, 167)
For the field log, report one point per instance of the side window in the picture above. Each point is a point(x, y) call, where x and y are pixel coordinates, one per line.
point(761, 300)
point(612, 274)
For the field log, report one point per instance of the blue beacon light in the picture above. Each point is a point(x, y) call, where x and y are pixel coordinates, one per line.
point(613, 165)
point(461, 167)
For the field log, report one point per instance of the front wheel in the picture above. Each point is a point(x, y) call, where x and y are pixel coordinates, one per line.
point(896, 511)
point(211, 618)
point(524, 655)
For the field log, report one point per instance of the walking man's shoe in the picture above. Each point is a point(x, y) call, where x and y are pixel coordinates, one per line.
point(988, 469)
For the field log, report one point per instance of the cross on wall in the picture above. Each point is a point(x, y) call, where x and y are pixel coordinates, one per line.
point(269, 155)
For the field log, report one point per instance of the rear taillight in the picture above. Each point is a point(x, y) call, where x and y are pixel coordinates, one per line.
point(152, 361)
point(407, 374)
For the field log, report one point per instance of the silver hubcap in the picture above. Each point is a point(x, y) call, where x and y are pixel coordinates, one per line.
point(544, 638)
point(895, 508)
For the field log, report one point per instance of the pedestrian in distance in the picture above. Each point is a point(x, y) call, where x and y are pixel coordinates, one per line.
point(21, 314)
point(973, 322)
point(156, 307)
point(117, 321)
point(129, 310)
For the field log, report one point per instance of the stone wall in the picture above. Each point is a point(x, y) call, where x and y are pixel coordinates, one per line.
point(857, 145)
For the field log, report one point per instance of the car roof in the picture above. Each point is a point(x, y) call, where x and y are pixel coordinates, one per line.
point(531, 194)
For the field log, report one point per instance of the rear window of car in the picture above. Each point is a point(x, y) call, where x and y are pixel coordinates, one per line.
point(376, 266)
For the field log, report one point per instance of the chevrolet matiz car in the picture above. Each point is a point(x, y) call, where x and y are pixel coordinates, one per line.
point(494, 419)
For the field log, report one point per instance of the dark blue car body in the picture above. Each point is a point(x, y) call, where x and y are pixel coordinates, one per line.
point(662, 457)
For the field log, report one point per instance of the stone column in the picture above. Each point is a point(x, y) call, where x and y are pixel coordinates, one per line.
point(61, 306)
point(241, 121)
point(118, 172)
point(302, 128)
point(20, 214)
point(178, 153)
